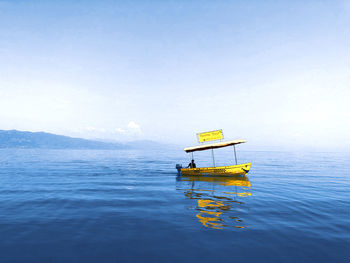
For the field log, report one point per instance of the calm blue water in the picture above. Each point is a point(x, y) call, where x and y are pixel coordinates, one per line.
point(129, 206)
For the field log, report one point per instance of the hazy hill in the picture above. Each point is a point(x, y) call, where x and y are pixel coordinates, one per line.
point(25, 139)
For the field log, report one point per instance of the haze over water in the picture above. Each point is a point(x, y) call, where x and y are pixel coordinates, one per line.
point(129, 206)
point(275, 73)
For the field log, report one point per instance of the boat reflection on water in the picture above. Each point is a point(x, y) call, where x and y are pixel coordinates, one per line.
point(219, 199)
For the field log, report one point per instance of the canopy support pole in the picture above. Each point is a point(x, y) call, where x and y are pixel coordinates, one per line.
point(212, 154)
point(234, 148)
point(191, 156)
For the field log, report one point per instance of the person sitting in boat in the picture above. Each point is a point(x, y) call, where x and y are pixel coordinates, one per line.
point(191, 164)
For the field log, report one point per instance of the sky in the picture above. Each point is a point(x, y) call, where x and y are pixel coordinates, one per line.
point(276, 73)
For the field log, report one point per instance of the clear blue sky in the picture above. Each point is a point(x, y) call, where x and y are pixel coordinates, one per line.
point(273, 72)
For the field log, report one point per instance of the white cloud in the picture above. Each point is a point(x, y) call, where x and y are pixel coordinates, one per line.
point(131, 129)
point(133, 126)
point(120, 130)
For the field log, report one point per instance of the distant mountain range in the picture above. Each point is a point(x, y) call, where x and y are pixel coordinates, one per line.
point(25, 139)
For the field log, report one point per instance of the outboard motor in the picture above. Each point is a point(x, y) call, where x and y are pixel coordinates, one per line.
point(178, 168)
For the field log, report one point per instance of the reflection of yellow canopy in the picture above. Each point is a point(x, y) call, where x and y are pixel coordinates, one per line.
point(213, 146)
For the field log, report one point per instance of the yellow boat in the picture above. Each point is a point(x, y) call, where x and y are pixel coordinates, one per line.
point(240, 169)
point(231, 170)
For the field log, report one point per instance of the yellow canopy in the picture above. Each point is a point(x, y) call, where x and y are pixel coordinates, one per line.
point(213, 145)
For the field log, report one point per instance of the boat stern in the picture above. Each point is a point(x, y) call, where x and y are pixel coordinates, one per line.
point(178, 168)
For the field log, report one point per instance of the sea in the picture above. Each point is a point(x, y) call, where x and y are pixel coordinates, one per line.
point(131, 206)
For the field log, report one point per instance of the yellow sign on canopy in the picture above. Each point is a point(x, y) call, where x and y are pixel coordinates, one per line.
point(210, 136)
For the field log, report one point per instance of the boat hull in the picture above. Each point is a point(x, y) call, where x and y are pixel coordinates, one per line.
point(232, 170)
